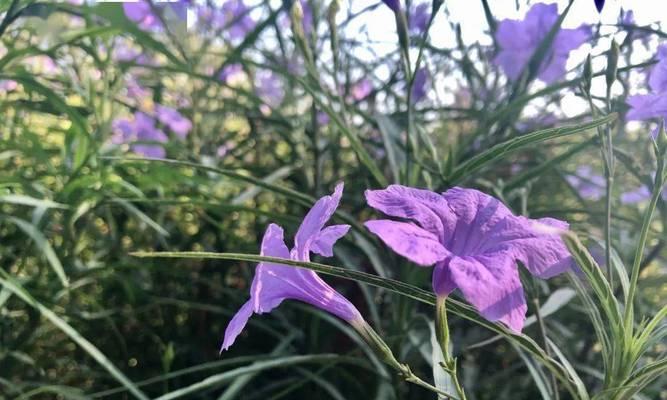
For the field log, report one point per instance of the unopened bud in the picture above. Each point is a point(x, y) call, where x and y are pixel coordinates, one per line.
point(612, 63)
point(588, 75)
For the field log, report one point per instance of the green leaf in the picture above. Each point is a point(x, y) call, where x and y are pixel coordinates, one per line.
point(260, 366)
point(43, 245)
point(30, 201)
point(390, 136)
point(8, 282)
point(404, 289)
point(501, 150)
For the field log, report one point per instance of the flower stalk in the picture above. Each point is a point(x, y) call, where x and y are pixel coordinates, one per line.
point(442, 332)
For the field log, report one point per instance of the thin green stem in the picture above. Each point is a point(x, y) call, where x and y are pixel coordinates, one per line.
point(442, 333)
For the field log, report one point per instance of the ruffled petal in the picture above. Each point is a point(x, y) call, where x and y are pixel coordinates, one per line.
point(416, 244)
point(492, 285)
point(315, 220)
point(326, 238)
point(426, 208)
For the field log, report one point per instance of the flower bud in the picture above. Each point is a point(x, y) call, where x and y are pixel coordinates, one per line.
point(587, 75)
point(612, 63)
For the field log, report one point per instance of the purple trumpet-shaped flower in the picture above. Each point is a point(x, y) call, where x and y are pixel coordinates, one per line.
point(474, 242)
point(140, 129)
point(654, 104)
point(171, 118)
point(590, 186)
point(519, 40)
point(274, 283)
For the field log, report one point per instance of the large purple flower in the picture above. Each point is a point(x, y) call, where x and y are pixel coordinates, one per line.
point(519, 40)
point(274, 283)
point(654, 104)
point(474, 242)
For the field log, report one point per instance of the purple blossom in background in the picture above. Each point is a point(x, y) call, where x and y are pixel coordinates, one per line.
point(474, 242)
point(419, 18)
point(8, 85)
point(519, 40)
point(270, 89)
point(171, 118)
point(361, 89)
point(141, 13)
point(274, 283)
point(420, 84)
point(140, 129)
point(135, 90)
point(654, 104)
point(307, 17)
point(322, 118)
point(234, 16)
point(590, 186)
point(636, 196)
point(230, 71)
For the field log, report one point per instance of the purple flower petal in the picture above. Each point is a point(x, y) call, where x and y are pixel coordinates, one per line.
point(658, 78)
point(491, 284)
point(420, 84)
point(636, 196)
point(412, 242)
point(419, 18)
point(314, 221)
point(236, 325)
point(326, 238)
point(647, 106)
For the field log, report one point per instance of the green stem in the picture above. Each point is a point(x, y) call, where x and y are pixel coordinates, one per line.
point(442, 333)
point(639, 252)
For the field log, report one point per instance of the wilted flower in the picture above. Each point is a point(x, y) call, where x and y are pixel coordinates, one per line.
point(171, 118)
point(590, 186)
point(475, 243)
point(519, 40)
point(654, 104)
point(274, 283)
point(141, 133)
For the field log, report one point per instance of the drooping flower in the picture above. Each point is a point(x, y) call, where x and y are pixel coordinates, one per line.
point(420, 84)
point(274, 283)
point(142, 135)
point(474, 241)
point(174, 120)
point(519, 40)
point(590, 185)
point(654, 104)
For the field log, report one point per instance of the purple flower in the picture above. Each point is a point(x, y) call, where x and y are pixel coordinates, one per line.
point(420, 84)
point(654, 104)
point(395, 5)
point(419, 18)
point(234, 16)
point(590, 186)
point(361, 89)
point(474, 242)
point(322, 118)
point(519, 40)
point(270, 89)
point(229, 71)
point(173, 120)
point(636, 196)
point(141, 133)
point(274, 283)
point(141, 13)
point(8, 85)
